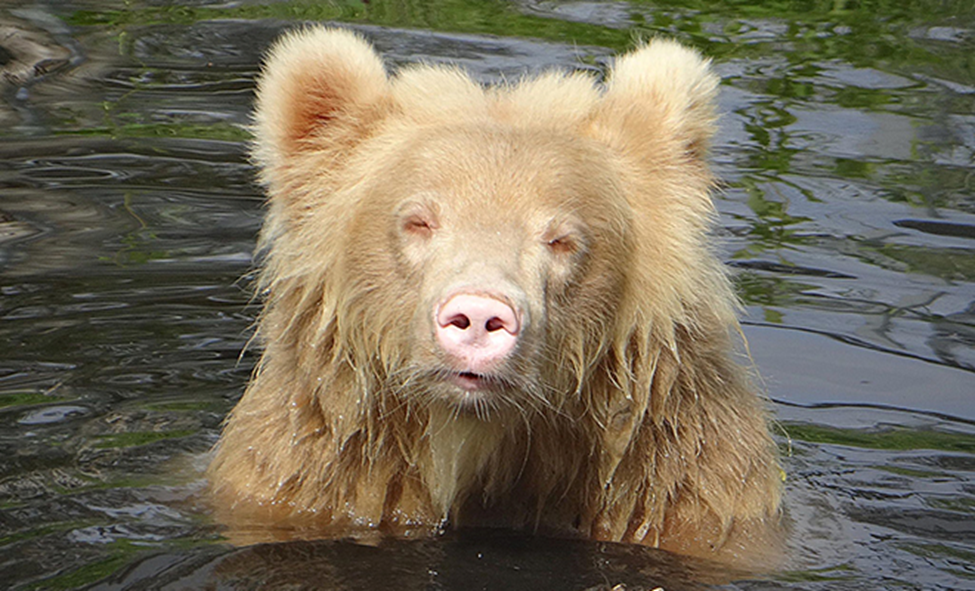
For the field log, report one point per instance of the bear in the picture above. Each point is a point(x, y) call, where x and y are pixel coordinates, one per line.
point(494, 306)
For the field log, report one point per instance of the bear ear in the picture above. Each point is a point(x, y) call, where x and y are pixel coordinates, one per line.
point(319, 88)
point(661, 95)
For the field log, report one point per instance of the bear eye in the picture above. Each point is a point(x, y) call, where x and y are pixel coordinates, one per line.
point(565, 237)
point(564, 244)
point(417, 225)
point(417, 219)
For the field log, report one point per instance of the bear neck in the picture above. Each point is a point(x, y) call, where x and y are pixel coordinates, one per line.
point(462, 458)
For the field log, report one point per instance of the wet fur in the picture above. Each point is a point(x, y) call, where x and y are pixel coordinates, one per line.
point(625, 419)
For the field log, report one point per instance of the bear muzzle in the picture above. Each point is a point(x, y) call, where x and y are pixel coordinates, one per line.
point(477, 333)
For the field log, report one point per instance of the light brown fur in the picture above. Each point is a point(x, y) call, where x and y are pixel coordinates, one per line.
point(624, 416)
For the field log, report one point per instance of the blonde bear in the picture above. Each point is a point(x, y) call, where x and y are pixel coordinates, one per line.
point(494, 306)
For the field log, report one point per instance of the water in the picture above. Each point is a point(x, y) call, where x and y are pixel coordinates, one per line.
point(128, 215)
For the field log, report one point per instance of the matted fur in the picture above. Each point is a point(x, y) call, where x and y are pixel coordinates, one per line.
point(623, 415)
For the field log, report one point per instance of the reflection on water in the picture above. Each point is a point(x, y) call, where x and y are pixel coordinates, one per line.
point(128, 216)
point(472, 559)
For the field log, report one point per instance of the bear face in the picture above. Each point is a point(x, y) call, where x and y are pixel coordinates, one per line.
point(494, 306)
point(501, 246)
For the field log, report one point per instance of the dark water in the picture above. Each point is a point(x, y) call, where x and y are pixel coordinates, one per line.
point(128, 215)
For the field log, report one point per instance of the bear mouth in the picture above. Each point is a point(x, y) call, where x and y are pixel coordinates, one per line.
point(469, 381)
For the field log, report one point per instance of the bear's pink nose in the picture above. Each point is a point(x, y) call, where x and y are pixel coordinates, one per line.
point(476, 330)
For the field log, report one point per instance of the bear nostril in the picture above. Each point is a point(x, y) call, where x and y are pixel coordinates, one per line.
point(460, 321)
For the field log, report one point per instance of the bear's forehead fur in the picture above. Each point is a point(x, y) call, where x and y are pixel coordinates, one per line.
point(490, 181)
